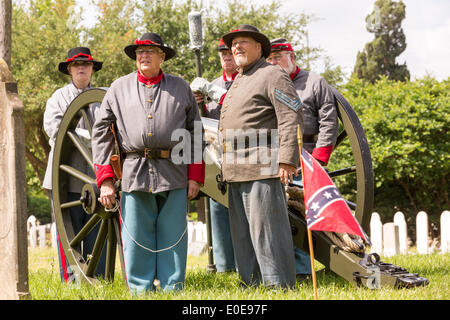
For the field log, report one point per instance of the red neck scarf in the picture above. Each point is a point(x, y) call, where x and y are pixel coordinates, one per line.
point(150, 81)
point(295, 73)
point(232, 76)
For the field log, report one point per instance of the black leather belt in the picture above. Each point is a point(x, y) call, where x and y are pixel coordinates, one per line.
point(149, 153)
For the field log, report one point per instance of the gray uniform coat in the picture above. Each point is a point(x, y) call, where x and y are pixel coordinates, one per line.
point(54, 111)
point(320, 118)
point(146, 117)
point(261, 98)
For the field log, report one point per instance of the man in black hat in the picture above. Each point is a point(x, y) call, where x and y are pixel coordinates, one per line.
point(213, 92)
point(149, 108)
point(320, 118)
point(80, 65)
point(261, 105)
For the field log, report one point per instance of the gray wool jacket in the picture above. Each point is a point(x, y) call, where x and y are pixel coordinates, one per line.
point(148, 116)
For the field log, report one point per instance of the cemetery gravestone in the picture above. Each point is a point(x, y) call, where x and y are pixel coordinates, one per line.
point(376, 233)
point(422, 232)
point(13, 226)
point(399, 220)
point(391, 245)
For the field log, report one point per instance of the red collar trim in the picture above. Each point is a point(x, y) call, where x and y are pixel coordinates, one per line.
point(233, 76)
point(150, 81)
point(295, 73)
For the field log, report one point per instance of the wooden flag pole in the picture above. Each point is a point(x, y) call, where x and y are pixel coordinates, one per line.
point(310, 243)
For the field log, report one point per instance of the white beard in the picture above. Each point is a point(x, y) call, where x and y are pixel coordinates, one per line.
point(290, 67)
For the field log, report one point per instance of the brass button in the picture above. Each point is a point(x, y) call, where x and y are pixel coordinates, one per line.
point(220, 129)
point(150, 190)
point(235, 86)
point(150, 100)
point(150, 116)
point(148, 86)
point(151, 170)
point(149, 134)
point(222, 116)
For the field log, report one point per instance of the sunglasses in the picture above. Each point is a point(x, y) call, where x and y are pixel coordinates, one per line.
point(149, 51)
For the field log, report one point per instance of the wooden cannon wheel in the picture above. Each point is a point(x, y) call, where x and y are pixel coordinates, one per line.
point(67, 142)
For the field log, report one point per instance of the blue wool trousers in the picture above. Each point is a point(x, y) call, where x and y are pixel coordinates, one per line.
point(154, 242)
point(221, 237)
point(261, 233)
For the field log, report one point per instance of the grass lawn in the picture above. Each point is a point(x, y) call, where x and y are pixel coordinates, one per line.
point(44, 283)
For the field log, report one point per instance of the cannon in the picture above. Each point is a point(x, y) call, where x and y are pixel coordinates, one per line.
point(355, 266)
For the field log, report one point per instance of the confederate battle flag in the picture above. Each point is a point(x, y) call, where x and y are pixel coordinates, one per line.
point(326, 209)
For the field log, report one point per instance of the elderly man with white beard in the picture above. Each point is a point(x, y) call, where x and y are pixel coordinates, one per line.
point(320, 119)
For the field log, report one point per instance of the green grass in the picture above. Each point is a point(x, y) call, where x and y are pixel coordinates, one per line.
point(44, 283)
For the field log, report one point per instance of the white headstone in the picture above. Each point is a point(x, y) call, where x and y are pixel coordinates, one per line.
point(32, 235)
point(391, 245)
point(197, 244)
point(31, 222)
point(422, 232)
point(399, 220)
point(42, 239)
point(445, 231)
point(190, 231)
point(54, 235)
point(376, 233)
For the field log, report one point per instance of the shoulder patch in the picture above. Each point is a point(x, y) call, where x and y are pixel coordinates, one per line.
point(294, 104)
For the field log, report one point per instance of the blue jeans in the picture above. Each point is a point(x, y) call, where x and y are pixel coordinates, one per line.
point(261, 233)
point(154, 221)
point(221, 237)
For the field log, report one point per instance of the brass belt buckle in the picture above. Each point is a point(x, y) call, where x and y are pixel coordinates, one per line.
point(147, 154)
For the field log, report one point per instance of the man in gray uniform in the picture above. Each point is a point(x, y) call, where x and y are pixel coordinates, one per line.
point(220, 224)
point(80, 65)
point(152, 111)
point(262, 101)
point(320, 118)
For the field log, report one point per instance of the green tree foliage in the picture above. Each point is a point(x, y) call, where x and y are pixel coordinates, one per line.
point(379, 56)
point(44, 30)
point(406, 124)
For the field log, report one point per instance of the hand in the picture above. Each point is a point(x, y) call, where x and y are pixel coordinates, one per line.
point(286, 173)
point(107, 194)
point(193, 189)
point(198, 97)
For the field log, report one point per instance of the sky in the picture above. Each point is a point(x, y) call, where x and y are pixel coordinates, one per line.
point(340, 30)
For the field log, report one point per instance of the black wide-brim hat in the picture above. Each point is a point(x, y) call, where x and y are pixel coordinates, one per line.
point(79, 54)
point(149, 39)
point(246, 30)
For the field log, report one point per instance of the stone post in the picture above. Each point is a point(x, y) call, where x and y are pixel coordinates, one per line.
point(13, 232)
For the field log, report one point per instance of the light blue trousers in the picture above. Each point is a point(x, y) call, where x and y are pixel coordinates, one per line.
point(221, 237)
point(154, 222)
point(261, 233)
point(302, 259)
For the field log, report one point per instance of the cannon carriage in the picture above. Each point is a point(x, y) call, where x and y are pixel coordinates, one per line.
point(355, 266)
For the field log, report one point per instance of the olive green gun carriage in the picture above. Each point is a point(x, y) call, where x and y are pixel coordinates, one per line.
point(356, 267)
